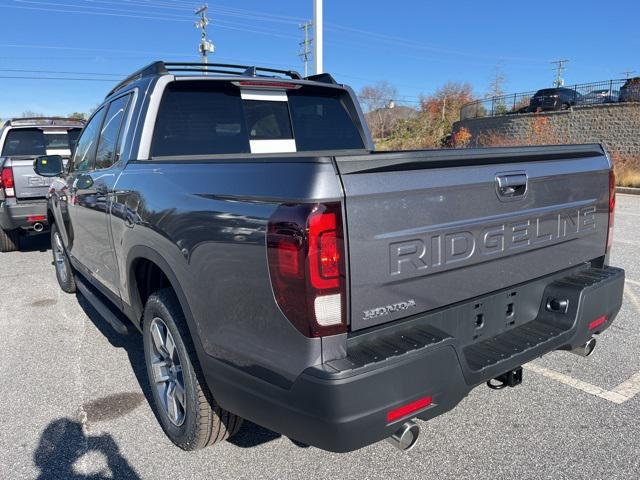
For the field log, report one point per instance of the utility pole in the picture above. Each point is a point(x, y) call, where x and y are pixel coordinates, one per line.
point(305, 46)
point(559, 81)
point(627, 73)
point(205, 47)
point(317, 35)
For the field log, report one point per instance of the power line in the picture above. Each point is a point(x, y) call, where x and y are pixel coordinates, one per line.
point(119, 75)
point(60, 78)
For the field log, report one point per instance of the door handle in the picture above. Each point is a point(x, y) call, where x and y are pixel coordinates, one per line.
point(511, 186)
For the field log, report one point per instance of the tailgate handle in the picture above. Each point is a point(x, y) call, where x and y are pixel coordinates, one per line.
point(511, 185)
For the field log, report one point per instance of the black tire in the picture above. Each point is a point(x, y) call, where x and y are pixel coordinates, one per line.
point(64, 270)
point(9, 240)
point(565, 106)
point(204, 423)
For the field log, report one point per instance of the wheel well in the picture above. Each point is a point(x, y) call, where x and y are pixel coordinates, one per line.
point(149, 278)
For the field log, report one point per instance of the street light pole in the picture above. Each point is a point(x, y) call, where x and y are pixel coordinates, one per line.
point(317, 36)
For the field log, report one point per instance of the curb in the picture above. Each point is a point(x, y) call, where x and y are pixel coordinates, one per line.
point(628, 190)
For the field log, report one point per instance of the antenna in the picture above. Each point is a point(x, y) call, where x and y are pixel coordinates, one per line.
point(205, 47)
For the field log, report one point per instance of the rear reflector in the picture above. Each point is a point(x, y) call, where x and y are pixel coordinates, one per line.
point(408, 409)
point(36, 218)
point(597, 322)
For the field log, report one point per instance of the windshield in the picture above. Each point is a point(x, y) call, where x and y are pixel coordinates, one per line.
point(34, 141)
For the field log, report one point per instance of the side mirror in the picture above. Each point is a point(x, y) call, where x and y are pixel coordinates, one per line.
point(48, 165)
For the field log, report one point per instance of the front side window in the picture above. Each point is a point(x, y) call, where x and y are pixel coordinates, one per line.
point(85, 150)
point(107, 153)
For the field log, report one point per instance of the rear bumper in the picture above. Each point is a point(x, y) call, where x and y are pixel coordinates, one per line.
point(15, 215)
point(342, 405)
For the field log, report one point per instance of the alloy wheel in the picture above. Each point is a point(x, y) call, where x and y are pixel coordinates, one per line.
point(168, 379)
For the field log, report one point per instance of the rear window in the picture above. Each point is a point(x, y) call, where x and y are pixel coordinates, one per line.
point(198, 118)
point(33, 141)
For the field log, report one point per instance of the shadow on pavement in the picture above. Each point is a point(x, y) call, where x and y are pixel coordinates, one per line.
point(35, 243)
point(250, 434)
point(64, 442)
point(131, 343)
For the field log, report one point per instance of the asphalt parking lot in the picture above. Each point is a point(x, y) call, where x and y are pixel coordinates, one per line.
point(73, 402)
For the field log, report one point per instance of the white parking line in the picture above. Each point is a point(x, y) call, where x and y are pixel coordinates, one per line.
point(624, 241)
point(623, 392)
point(633, 297)
point(628, 213)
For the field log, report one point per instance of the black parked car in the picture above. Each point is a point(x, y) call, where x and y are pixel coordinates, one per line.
point(630, 91)
point(553, 99)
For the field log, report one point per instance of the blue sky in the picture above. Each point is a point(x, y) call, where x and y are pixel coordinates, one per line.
point(417, 45)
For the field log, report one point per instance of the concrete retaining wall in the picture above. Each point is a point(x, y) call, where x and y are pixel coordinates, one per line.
point(615, 125)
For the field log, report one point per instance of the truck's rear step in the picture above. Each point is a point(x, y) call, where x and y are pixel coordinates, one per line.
point(485, 357)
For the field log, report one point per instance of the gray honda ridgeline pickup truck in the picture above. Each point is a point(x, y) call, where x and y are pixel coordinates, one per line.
point(283, 272)
point(23, 207)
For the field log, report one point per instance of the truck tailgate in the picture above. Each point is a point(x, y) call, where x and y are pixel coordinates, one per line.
point(427, 229)
point(28, 184)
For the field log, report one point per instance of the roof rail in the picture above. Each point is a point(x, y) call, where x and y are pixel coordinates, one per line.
point(155, 68)
point(64, 121)
point(232, 69)
point(163, 68)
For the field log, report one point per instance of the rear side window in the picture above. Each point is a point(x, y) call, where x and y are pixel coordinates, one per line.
point(206, 118)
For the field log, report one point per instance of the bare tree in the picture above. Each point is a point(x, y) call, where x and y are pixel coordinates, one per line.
point(496, 83)
point(31, 114)
point(377, 101)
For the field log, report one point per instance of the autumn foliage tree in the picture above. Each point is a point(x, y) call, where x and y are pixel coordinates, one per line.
point(432, 125)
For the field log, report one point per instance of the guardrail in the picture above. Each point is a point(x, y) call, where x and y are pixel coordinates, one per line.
point(549, 99)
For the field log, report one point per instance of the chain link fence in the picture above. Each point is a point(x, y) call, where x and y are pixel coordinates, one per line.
point(559, 98)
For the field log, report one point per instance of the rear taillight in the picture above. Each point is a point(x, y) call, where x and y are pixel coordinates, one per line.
point(6, 182)
point(612, 208)
point(305, 249)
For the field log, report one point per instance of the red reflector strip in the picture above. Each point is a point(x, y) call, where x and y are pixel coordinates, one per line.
point(409, 408)
point(597, 322)
point(36, 218)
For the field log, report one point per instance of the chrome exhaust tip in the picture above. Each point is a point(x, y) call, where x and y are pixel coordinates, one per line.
point(586, 349)
point(38, 227)
point(405, 437)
